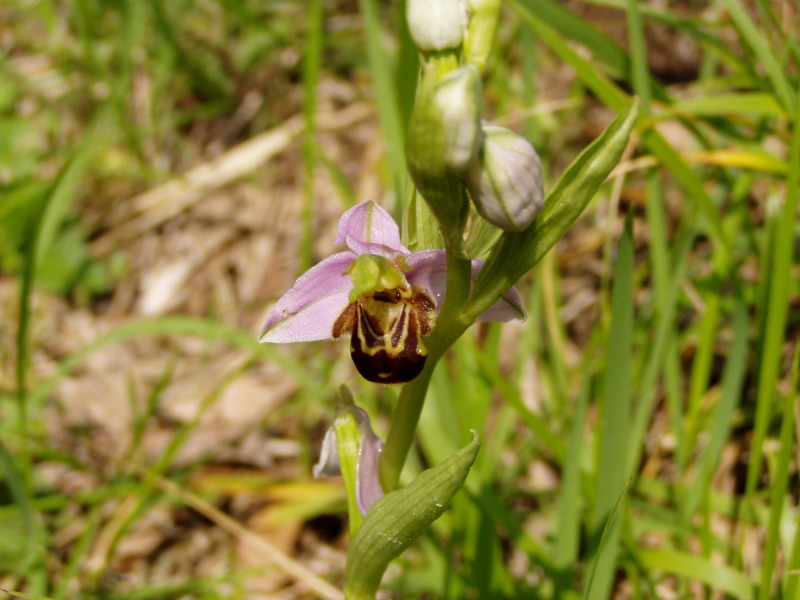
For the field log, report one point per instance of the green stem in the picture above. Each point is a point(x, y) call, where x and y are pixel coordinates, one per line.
point(450, 325)
point(481, 32)
point(404, 424)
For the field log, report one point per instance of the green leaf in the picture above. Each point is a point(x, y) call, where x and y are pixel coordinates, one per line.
point(691, 566)
point(567, 529)
point(760, 47)
point(381, 68)
point(400, 517)
point(25, 596)
point(15, 543)
point(420, 228)
point(567, 24)
point(615, 423)
point(517, 252)
point(755, 104)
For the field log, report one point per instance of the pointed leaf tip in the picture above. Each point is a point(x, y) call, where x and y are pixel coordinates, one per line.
point(397, 519)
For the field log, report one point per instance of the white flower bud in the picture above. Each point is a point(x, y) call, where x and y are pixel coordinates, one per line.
point(458, 99)
point(436, 24)
point(505, 181)
point(427, 155)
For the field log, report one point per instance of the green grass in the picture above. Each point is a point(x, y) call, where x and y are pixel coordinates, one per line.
point(639, 429)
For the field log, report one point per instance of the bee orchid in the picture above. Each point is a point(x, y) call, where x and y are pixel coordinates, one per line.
point(386, 297)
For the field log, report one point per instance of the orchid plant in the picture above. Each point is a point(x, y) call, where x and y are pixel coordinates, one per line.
point(469, 180)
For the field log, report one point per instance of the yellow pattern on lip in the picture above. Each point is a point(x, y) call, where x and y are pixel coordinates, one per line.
point(387, 323)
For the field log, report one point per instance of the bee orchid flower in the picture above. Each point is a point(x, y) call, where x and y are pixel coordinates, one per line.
point(386, 297)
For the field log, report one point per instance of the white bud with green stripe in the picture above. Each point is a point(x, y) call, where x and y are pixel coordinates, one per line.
point(505, 181)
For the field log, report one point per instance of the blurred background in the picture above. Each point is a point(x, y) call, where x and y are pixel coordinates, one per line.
point(167, 169)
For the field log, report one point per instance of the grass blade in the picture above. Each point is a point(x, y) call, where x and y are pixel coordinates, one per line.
point(615, 421)
point(722, 418)
point(567, 533)
point(388, 106)
point(185, 326)
point(311, 66)
point(57, 204)
point(779, 486)
point(612, 96)
point(18, 489)
point(751, 35)
point(774, 312)
point(700, 569)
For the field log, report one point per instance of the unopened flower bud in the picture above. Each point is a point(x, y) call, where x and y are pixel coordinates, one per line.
point(436, 24)
point(352, 449)
point(505, 181)
point(434, 144)
point(458, 98)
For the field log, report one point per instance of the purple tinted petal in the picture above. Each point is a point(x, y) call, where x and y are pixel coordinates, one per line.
point(308, 311)
point(377, 249)
point(369, 229)
point(368, 484)
point(507, 309)
point(429, 271)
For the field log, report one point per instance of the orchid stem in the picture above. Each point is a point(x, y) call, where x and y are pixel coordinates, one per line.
point(404, 424)
point(449, 327)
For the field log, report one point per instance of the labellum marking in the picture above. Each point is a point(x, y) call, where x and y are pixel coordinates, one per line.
point(387, 329)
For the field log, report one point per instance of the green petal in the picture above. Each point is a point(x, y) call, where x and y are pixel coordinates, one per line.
point(371, 273)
